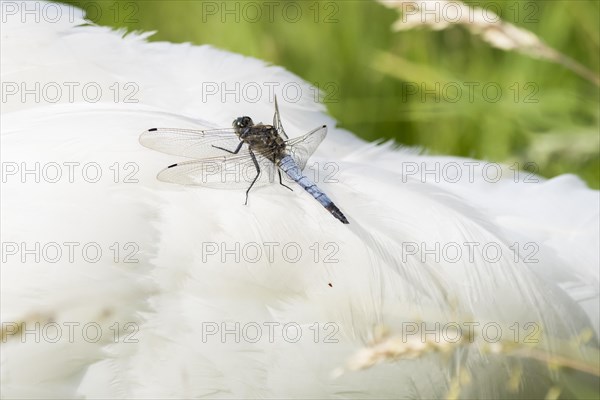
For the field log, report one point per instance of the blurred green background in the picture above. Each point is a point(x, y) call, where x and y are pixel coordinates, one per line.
point(414, 86)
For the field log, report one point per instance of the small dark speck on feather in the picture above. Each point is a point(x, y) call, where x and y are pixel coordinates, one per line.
point(171, 166)
point(152, 129)
point(330, 285)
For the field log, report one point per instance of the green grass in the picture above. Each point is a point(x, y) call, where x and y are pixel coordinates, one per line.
point(546, 114)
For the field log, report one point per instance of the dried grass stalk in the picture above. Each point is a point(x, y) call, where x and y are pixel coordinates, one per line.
point(441, 14)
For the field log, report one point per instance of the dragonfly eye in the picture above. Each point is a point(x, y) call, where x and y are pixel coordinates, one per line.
point(242, 122)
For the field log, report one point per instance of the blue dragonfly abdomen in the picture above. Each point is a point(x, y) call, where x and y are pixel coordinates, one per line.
point(289, 166)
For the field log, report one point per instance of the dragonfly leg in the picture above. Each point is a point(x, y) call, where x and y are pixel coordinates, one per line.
point(237, 150)
point(257, 174)
point(281, 182)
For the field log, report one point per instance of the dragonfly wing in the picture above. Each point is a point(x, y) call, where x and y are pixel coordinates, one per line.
point(190, 142)
point(301, 148)
point(225, 172)
point(277, 121)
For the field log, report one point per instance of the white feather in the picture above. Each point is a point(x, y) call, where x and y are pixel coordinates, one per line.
point(175, 290)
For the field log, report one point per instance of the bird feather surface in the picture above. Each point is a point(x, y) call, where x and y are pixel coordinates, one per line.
point(177, 289)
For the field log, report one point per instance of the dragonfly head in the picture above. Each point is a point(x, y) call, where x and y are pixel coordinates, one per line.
point(239, 124)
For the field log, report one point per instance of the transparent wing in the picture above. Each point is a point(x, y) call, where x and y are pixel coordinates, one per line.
point(302, 147)
point(190, 142)
point(277, 121)
point(224, 172)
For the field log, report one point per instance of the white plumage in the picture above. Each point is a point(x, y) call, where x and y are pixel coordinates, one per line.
point(176, 291)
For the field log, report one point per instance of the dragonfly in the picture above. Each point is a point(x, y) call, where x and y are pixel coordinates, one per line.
point(245, 155)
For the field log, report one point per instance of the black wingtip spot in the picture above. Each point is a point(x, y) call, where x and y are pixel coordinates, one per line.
point(152, 130)
point(324, 126)
point(171, 166)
